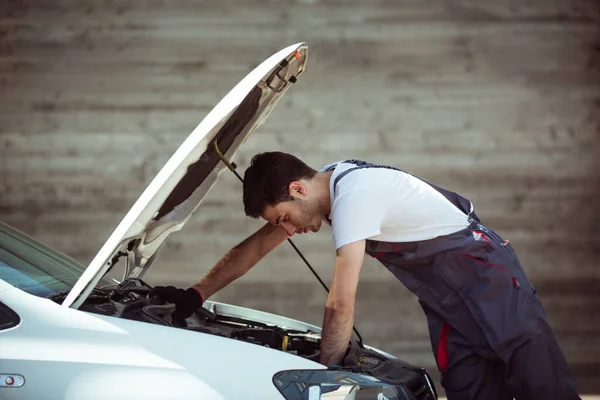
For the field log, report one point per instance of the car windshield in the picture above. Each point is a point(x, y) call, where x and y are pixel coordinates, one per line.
point(34, 267)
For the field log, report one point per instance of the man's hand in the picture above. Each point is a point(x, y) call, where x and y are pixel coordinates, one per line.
point(339, 309)
point(186, 301)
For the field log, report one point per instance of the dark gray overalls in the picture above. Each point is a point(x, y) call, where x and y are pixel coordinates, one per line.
point(488, 329)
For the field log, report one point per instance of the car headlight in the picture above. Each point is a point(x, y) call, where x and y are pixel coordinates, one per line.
point(334, 384)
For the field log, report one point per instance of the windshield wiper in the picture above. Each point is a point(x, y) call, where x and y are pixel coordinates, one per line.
point(232, 167)
point(128, 285)
point(60, 296)
point(57, 297)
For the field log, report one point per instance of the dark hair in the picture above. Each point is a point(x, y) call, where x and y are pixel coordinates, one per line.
point(267, 179)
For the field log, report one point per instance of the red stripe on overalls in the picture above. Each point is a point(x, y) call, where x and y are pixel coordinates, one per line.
point(482, 235)
point(395, 248)
point(484, 263)
point(442, 353)
point(514, 279)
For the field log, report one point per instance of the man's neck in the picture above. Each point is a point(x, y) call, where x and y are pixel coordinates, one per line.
point(322, 186)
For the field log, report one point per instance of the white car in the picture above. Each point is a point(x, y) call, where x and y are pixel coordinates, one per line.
point(69, 332)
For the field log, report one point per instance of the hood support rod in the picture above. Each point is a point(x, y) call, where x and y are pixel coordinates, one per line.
point(232, 167)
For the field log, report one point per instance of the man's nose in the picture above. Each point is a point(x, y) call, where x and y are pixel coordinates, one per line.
point(290, 229)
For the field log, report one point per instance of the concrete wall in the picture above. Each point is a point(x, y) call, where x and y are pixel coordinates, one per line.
point(498, 100)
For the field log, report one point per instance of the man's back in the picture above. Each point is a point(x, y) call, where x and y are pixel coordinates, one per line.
point(387, 204)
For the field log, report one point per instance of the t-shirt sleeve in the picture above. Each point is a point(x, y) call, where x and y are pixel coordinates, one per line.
point(356, 215)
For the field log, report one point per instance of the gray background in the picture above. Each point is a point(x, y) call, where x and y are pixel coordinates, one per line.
point(498, 100)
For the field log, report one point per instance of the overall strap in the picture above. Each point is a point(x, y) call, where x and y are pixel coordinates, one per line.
point(457, 200)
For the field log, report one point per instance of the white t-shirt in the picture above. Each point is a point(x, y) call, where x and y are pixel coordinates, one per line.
point(388, 205)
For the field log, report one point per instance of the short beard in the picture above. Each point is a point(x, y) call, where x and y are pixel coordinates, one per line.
point(310, 210)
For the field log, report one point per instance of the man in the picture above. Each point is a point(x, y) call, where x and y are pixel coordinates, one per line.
point(488, 330)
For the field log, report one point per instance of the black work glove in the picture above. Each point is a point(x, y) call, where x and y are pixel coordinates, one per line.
point(186, 300)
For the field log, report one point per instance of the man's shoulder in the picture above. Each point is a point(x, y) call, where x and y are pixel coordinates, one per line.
point(361, 165)
point(330, 166)
point(350, 175)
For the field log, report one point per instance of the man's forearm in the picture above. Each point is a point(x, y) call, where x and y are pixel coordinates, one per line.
point(339, 309)
point(337, 330)
point(230, 267)
point(240, 259)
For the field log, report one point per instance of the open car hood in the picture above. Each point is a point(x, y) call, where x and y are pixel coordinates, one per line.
point(176, 192)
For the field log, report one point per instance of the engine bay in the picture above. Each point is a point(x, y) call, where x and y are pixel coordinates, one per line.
point(129, 300)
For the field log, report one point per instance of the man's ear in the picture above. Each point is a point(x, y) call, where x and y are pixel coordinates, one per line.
point(297, 189)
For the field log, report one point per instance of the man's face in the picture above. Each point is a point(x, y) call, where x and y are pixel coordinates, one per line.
point(299, 215)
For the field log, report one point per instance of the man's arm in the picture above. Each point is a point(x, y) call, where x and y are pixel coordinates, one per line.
point(339, 309)
point(240, 259)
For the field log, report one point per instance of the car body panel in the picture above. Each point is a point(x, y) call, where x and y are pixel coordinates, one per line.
point(178, 189)
point(74, 351)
